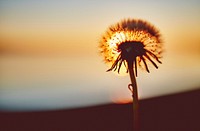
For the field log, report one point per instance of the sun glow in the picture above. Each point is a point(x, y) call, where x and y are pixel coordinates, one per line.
point(120, 37)
point(122, 101)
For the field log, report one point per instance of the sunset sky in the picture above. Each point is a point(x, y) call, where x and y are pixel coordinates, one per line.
point(49, 55)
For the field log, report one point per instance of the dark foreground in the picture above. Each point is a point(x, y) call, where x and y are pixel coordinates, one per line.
point(179, 112)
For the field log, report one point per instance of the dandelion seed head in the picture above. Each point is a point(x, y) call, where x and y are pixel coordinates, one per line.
point(133, 39)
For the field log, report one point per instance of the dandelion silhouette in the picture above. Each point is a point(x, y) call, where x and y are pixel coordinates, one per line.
point(132, 43)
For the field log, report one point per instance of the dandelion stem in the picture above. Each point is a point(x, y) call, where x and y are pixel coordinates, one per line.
point(135, 97)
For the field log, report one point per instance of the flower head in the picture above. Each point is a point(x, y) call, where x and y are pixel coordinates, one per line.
point(131, 41)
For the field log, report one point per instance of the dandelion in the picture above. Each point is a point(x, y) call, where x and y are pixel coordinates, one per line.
point(132, 43)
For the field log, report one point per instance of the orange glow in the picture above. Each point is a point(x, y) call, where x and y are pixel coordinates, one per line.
point(118, 37)
point(122, 101)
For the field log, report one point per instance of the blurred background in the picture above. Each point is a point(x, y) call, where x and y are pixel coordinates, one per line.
point(49, 55)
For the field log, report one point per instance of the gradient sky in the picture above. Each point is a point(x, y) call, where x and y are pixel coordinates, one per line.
point(49, 52)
